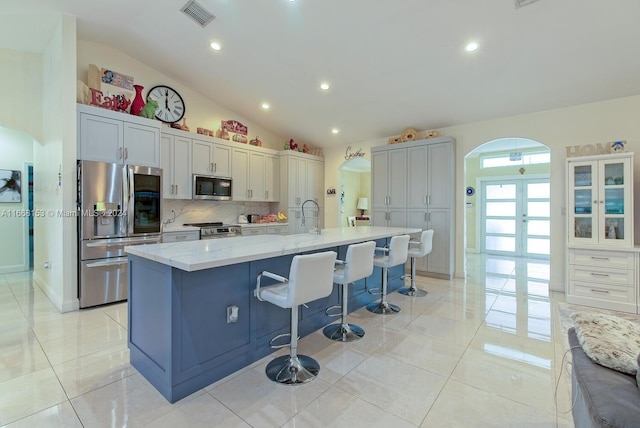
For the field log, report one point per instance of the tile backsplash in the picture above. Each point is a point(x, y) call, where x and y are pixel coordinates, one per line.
point(188, 211)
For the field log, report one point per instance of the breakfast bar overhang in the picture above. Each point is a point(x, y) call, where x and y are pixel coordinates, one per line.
point(193, 318)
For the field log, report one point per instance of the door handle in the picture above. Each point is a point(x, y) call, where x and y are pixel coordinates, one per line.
point(126, 153)
point(120, 155)
point(215, 167)
point(429, 200)
point(118, 261)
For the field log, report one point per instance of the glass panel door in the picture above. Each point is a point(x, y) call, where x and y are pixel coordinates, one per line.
point(516, 217)
point(613, 209)
point(583, 191)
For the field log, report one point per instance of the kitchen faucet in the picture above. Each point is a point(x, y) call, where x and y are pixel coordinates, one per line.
point(317, 226)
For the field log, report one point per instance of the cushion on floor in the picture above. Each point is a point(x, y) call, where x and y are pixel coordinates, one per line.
point(609, 340)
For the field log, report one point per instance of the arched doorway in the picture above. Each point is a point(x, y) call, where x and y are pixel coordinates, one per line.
point(354, 186)
point(508, 198)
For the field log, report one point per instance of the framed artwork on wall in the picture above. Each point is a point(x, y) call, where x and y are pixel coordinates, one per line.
point(10, 189)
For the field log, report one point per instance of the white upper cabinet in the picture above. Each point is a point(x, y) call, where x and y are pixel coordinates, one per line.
point(600, 200)
point(389, 182)
point(116, 137)
point(430, 178)
point(175, 161)
point(211, 158)
point(254, 175)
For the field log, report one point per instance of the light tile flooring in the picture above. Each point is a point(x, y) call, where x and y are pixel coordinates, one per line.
point(485, 351)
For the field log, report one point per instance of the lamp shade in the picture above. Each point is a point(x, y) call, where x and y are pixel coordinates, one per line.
point(363, 203)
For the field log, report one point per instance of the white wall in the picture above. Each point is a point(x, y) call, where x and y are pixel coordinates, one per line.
point(54, 167)
point(200, 112)
point(21, 89)
point(600, 122)
point(16, 148)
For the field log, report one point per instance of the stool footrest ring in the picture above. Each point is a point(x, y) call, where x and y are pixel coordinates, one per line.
point(328, 313)
point(280, 336)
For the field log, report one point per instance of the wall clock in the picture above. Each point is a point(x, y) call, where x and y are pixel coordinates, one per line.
point(170, 103)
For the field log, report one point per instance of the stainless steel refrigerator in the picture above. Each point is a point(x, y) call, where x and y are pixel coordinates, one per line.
point(118, 205)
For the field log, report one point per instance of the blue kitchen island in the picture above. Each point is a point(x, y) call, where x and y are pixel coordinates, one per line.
point(183, 296)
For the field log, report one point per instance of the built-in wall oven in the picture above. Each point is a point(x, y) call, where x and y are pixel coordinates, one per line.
point(118, 205)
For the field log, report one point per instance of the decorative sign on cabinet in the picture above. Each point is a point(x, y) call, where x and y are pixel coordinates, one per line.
point(412, 185)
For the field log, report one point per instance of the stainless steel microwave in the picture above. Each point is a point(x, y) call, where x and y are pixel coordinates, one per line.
point(211, 188)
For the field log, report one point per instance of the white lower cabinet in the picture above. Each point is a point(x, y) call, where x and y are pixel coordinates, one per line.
point(603, 278)
point(280, 229)
point(179, 236)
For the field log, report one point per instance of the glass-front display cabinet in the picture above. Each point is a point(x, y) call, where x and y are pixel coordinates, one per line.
point(600, 200)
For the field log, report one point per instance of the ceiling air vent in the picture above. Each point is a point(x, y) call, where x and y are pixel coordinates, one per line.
point(520, 3)
point(198, 13)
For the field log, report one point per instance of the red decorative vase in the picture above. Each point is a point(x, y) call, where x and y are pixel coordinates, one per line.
point(138, 101)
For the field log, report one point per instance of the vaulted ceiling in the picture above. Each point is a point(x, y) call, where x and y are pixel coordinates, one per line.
point(391, 65)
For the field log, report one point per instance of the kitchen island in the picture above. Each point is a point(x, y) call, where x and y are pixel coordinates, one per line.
point(193, 318)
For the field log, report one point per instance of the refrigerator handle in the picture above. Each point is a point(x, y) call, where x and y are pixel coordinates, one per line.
point(130, 201)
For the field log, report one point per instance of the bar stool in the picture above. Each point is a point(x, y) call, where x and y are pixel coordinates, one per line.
point(396, 255)
point(425, 245)
point(358, 264)
point(310, 278)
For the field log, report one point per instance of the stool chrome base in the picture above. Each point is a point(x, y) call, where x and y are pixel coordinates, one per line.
point(412, 291)
point(383, 308)
point(289, 370)
point(343, 332)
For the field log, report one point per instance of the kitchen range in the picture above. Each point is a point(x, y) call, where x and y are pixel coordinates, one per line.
point(215, 230)
point(119, 205)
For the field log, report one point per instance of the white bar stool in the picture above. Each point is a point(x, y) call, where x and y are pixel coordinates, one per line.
point(358, 264)
point(310, 278)
point(425, 245)
point(396, 255)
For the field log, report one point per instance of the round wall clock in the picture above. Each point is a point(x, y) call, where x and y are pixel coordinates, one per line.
point(170, 103)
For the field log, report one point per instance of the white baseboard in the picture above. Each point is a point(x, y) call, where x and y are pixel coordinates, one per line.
point(61, 305)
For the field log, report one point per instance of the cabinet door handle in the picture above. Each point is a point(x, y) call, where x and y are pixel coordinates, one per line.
point(595, 290)
point(429, 200)
point(605, 275)
point(429, 217)
point(211, 167)
point(176, 189)
point(126, 153)
point(120, 153)
point(215, 167)
point(599, 258)
point(389, 200)
point(425, 216)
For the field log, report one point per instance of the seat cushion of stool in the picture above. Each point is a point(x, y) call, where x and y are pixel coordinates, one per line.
point(338, 275)
point(381, 261)
point(416, 253)
point(276, 294)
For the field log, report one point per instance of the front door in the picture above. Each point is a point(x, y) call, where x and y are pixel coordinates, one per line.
point(515, 217)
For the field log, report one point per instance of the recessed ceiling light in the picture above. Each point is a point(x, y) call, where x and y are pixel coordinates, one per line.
point(215, 46)
point(335, 131)
point(472, 46)
point(324, 86)
point(266, 106)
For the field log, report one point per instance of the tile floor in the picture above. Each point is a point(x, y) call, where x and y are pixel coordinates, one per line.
point(485, 351)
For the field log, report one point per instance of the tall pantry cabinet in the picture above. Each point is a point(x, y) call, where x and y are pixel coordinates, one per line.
point(412, 185)
point(301, 179)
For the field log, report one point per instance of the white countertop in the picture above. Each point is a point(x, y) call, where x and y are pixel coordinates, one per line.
point(211, 253)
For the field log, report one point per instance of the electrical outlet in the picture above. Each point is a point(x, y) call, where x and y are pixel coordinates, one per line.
point(232, 314)
point(47, 265)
